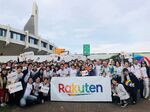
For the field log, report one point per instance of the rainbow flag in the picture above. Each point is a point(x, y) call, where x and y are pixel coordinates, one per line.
point(142, 57)
point(129, 83)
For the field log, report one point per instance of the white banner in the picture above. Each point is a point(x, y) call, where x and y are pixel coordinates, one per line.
point(45, 89)
point(27, 55)
point(15, 87)
point(81, 89)
point(12, 78)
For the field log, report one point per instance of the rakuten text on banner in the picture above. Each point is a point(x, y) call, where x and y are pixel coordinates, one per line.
point(81, 89)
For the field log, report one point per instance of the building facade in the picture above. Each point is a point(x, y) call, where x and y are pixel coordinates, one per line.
point(15, 42)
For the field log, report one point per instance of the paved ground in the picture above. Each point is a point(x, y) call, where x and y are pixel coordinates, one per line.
point(141, 106)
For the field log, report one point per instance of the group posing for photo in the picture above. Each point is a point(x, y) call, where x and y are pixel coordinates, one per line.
point(129, 80)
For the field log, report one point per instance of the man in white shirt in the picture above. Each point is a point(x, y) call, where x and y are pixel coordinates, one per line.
point(27, 73)
point(15, 76)
point(66, 69)
point(98, 68)
point(73, 71)
point(47, 73)
point(34, 71)
point(136, 70)
point(62, 71)
point(126, 65)
point(27, 94)
point(105, 70)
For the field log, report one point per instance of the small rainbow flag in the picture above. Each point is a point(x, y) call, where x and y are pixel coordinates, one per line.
point(129, 83)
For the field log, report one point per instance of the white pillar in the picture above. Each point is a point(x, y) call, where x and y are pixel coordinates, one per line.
point(39, 44)
point(26, 39)
point(8, 35)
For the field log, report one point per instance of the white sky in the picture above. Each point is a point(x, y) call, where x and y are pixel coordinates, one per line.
point(107, 25)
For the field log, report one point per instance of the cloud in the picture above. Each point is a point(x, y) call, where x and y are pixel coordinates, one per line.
point(108, 25)
point(115, 48)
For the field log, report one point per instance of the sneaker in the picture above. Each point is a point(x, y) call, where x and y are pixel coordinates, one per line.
point(124, 105)
point(2, 105)
point(42, 101)
point(134, 102)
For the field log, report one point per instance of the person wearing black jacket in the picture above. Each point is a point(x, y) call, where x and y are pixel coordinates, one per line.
point(91, 71)
point(26, 74)
point(131, 84)
point(28, 93)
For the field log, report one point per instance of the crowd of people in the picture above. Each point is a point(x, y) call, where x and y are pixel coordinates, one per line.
point(128, 79)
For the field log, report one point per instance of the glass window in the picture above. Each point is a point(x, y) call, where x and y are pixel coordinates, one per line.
point(17, 36)
point(43, 44)
point(50, 47)
point(33, 40)
point(2, 32)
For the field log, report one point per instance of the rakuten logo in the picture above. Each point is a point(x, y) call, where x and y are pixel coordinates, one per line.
point(75, 90)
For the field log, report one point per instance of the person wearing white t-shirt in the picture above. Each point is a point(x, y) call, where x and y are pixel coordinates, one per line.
point(136, 70)
point(34, 71)
point(47, 73)
point(62, 71)
point(145, 79)
point(15, 76)
point(66, 69)
point(121, 93)
point(36, 86)
point(45, 96)
point(119, 75)
point(105, 70)
point(27, 94)
point(112, 68)
point(98, 68)
point(73, 71)
point(126, 65)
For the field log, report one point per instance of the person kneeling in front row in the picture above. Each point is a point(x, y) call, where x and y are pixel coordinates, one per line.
point(28, 94)
point(121, 93)
point(45, 96)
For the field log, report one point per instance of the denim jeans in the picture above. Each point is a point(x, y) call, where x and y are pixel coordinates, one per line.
point(23, 100)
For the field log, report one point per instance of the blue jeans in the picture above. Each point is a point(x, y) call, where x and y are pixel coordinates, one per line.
point(23, 100)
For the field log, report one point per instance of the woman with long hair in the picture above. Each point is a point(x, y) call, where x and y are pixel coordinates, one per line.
point(145, 79)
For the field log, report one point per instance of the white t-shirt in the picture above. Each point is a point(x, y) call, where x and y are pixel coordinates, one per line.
point(129, 69)
point(62, 73)
point(73, 72)
point(15, 77)
point(122, 93)
point(136, 70)
point(34, 72)
point(66, 70)
point(36, 88)
point(105, 71)
point(45, 85)
point(28, 90)
point(47, 74)
point(144, 72)
point(118, 71)
point(98, 70)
